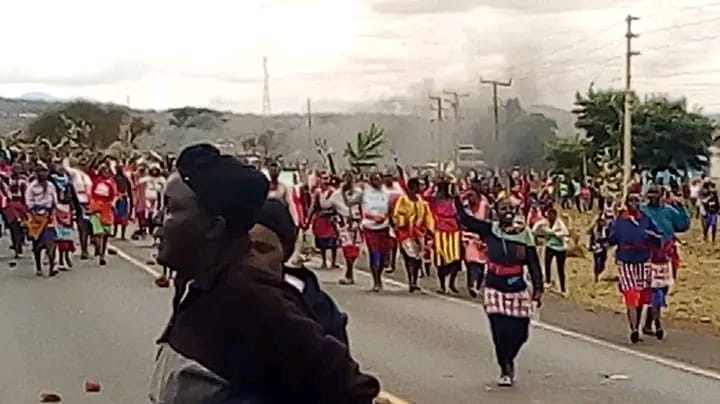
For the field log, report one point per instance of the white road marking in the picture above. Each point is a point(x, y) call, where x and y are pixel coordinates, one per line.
point(671, 363)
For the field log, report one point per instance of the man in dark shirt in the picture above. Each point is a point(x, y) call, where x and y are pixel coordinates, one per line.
point(235, 328)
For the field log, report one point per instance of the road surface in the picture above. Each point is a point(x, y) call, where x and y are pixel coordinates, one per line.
point(101, 323)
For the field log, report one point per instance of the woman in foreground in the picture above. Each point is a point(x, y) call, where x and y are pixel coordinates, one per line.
point(507, 299)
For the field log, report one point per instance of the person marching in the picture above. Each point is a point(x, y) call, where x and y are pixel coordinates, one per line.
point(376, 226)
point(478, 206)
point(64, 221)
point(349, 234)
point(598, 244)
point(323, 228)
point(709, 206)
point(446, 240)
point(124, 202)
point(102, 198)
point(41, 200)
point(411, 219)
point(636, 235)
point(507, 300)
point(556, 234)
point(670, 218)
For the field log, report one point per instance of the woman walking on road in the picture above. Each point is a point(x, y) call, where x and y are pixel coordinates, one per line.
point(635, 235)
point(321, 220)
point(507, 299)
point(446, 237)
point(41, 200)
point(349, 235)
point(555, 233)
point(411, 219)
point(376, 227)
point(102, 199)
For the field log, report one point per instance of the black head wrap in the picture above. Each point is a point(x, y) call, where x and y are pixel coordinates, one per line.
point(276, 217)
point(223, 185)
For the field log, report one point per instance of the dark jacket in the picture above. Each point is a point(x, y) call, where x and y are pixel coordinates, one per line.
point(324, 308)
point(238, 329)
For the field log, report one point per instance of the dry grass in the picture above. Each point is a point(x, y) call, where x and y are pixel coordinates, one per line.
point(695, 297)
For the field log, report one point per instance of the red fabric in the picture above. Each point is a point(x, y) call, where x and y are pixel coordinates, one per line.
point(445, 215)
point(322, 227)
point(97, 182)
point(65, 245)
point(637, 297)
point(504, 270)
point(101, 203)
point(378, 240)
point(351, 251)
point(15, 212)
point(674, 257)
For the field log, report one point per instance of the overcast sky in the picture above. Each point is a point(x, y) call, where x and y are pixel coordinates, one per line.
point(339, 52)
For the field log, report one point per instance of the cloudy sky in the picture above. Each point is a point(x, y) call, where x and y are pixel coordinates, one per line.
point(165, 53)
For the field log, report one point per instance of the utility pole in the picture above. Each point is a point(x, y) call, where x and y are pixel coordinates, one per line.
point(309, 125)
point(266, 108)
point(495, 85)
point(455, 105)
point(627, 115)
point(437, 106)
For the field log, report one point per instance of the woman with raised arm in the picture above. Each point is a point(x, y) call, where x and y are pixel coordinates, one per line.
point(507, 299)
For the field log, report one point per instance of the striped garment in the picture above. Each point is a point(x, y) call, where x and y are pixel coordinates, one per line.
point(446, 247)
point(512, 304)
point(634, 276)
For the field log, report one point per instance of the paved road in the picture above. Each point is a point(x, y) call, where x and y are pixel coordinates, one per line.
point(92, 322)
point(101, 323)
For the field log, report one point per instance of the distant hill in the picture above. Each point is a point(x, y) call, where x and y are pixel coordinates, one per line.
point(410, 136)
point(36, 96)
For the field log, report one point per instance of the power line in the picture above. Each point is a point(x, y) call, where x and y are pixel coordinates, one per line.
point(607, 62)
point(607, 44)
point(674, 27)
point(577, 42)
point(685, 73)
point(684, 42)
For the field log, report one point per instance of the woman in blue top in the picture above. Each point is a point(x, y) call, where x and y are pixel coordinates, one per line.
point(636, 235)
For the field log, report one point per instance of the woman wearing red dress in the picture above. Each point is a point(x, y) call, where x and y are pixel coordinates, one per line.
point(102, 198)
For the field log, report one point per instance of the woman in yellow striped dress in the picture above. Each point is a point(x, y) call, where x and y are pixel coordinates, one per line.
point(447, 250)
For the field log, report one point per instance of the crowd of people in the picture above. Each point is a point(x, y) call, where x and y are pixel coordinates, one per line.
point(51, 204)
point(492, 228)
point(230, 230)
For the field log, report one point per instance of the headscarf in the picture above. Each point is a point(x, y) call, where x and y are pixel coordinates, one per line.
point(223, 185)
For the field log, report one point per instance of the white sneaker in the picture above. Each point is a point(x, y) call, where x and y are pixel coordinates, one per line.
point(505, 381)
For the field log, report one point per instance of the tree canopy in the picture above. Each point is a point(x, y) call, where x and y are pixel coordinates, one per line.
point(566, 155)
point(665, 135)
point(525, 136)
point(88, 125)
point(191, 117)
